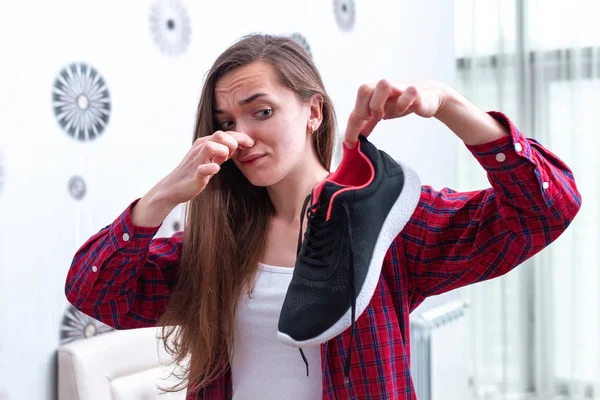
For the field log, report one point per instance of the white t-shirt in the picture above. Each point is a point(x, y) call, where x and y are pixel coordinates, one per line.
point(262, 367)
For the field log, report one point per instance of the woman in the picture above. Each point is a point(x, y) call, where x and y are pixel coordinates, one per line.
point(263, 139)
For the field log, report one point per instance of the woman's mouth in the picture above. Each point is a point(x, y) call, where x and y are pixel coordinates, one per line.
point(253, 160)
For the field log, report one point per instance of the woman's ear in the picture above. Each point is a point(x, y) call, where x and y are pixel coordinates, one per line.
point(316, 113)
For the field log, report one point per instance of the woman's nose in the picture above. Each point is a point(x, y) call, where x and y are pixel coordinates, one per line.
point(246, 128)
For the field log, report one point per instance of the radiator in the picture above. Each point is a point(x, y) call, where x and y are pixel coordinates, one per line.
point(438, 347)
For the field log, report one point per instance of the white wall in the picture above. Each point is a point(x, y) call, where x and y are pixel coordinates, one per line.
point(153, 99)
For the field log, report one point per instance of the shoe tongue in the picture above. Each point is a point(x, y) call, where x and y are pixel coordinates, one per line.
point(324, 191)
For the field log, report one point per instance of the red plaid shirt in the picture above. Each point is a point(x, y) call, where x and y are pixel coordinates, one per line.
point(122, 276)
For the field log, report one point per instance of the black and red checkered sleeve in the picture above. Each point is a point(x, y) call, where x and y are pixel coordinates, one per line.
point(458, 238)
point(122, 275)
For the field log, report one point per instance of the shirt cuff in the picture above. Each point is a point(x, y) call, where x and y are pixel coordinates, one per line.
point(505, 153)
point(126, 237)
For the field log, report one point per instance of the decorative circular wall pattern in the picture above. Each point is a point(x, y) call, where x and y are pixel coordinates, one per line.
point(298, 37)
point(170, 26)
point(81, 101)
point(77, 187)
point(345, 14)
point(77, 325)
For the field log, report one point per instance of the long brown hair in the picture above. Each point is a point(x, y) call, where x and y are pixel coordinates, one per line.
point(226, 225)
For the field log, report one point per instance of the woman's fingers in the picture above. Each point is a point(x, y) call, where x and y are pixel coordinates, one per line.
point(382, 92)
point(380, 97)
point(207, 170)
point(359, 115)
point(225, 139)
point(405, 101)
point(374, 102)
point(242, 139)
point(230, 139)
point(204, 173)
point(233, 140)
point(213, 152)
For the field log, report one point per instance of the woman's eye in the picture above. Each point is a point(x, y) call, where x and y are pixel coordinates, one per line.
point(265, 113)
point(226, 125)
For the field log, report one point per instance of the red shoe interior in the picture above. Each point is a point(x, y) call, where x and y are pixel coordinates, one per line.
point(354, 172)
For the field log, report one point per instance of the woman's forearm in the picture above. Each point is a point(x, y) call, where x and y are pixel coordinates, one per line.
point(470, 123)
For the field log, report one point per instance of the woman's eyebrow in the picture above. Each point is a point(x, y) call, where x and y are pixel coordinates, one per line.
point(244, 101)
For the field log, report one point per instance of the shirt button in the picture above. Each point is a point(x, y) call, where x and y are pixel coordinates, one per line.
point(518, 147)
point(94, 269)
point(545, 185)
point(500, 157)
point(126, 237)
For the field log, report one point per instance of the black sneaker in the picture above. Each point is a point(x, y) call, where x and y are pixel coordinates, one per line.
point(354, 216)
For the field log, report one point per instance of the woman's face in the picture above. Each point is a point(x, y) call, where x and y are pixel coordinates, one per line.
point(251, 100)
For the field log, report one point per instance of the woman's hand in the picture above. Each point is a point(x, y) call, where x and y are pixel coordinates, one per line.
point(190, 177)
point(385, 100)
point(201, 163)
point(426, 98)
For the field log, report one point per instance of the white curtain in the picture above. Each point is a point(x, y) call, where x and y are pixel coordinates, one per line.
point(535, 332)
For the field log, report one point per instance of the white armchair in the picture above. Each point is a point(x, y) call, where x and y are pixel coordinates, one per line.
point(117, 365)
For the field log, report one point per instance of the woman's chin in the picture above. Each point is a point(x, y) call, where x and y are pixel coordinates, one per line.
point(262, 180)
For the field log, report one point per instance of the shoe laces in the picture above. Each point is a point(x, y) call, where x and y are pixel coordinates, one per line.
point(319, 243)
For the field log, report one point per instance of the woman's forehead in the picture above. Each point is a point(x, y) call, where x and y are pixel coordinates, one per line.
point(250, 77)
point(237, 86)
